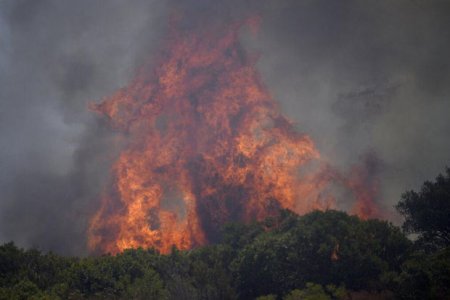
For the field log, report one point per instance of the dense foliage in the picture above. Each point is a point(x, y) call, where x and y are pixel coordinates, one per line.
point(321, 255)
point(427, 212)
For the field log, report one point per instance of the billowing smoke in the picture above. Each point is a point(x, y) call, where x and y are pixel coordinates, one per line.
point(55, 58)
point(367, 81)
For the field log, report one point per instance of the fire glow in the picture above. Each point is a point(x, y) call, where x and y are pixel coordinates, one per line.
point(206, 145)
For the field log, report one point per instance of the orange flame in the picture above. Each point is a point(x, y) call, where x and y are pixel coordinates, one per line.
point(206, 144)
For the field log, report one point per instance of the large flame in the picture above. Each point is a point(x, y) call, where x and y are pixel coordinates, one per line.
point(206, 145)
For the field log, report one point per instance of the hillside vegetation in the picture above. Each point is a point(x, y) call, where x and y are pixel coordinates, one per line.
point(321, 255)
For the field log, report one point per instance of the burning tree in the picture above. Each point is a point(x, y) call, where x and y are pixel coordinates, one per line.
point(205, 144)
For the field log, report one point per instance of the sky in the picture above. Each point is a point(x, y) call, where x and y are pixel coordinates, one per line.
point(361, 78)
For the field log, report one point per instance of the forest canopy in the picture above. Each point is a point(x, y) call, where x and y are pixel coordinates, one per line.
point(320, 255)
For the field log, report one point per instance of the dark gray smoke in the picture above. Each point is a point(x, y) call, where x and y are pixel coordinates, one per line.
point(365, 77)
point(360, 77)
point(55, 58)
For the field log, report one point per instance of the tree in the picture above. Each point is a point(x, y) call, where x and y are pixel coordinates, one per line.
point(149, 286)
point(321, 247)
point(425, 276)
point(427, 212)
point(311, 292)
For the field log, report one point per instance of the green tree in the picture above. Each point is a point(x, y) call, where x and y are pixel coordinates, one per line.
point(312, 291)
point(149, 286)
point(321, 247)
point(10, 263)
point(425, 276)
point(25, 290)
point(427, 212)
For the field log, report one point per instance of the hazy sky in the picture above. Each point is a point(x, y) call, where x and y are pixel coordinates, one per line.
point(358, 76)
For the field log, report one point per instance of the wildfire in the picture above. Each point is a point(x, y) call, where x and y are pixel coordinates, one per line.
point(206, 144)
